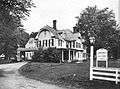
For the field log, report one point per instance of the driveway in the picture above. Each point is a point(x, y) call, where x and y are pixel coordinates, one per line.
point(11, 79)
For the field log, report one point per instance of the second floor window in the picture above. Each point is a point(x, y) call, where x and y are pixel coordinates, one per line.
point(59, 42)
point(51, 42)
point(77, 45)
point(73, 44)
point(67, 44)
point(39, 43)
point(44, 43)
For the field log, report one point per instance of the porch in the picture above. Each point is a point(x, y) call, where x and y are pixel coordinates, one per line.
point(19, 50)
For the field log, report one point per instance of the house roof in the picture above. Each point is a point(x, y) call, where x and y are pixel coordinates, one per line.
point(69, 35)
point(54, 32)
point(64, 34)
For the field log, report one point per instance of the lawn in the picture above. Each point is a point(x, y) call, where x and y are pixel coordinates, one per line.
point(67, 74)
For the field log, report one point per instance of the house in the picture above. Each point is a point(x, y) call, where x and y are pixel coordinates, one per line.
point(2, 56)
point(68, 42)
point(31, 44)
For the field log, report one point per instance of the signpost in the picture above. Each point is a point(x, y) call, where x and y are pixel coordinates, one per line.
point(102, 55)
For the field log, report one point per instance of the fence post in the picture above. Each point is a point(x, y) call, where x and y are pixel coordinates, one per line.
point(116, 76)
point(91, 73)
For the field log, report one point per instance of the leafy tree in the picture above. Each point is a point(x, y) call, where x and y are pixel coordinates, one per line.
point(33, 34)
point(101, 24)
point(11, 14)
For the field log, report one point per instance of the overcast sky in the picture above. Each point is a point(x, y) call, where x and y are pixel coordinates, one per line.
point(64, 11)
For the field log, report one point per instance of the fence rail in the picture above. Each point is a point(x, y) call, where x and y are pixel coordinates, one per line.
point(110, 74)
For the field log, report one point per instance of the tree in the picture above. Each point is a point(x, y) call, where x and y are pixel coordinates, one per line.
point(33, 34)
point(101, 24)
point(11, 14)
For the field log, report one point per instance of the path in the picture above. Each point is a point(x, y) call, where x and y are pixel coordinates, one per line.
point(11, 79)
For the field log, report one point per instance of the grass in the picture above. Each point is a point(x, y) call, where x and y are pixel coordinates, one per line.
point(71, 75)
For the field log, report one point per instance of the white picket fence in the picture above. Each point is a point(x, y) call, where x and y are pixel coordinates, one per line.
point(110, 74)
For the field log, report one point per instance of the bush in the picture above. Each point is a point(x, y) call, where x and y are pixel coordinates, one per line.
point(38, 56)
point(47, 55)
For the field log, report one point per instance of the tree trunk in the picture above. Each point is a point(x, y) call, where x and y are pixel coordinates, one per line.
point(6, 50)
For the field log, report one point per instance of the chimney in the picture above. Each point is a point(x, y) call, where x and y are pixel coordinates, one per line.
point(54, 24)
point(75, 29)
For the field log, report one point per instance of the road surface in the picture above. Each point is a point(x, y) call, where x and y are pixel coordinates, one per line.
point(11, 79)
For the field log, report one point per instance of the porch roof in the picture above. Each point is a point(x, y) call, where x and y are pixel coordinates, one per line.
point(27, 49)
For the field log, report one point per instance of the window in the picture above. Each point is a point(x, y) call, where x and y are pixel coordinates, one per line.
point(44, 43)
point(59, 42)
point(84, 55)
point(70, 45)
point(67, 44)
point(39, 43)
point(26, 54)
point(73, 44)
point(77, 45)
point(31, 41)
point(78, 55)
point(52, 42)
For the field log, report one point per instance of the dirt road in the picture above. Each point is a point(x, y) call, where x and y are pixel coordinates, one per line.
point(11, 79)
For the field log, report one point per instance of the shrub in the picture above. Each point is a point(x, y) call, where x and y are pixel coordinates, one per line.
point(38, 56)
point(52, 55)
point(47, 55)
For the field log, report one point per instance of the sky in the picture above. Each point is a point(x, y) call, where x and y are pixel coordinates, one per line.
point(64, 11)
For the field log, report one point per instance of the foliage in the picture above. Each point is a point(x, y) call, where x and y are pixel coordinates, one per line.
point(101, 24)
point(38, 55)
point(47, 55)
point(52, 55)
point(11, 14)
point(33, 34)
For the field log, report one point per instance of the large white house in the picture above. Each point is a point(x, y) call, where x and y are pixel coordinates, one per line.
point(68, 42)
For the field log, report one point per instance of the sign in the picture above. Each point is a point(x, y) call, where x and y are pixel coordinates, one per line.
point(102, 55)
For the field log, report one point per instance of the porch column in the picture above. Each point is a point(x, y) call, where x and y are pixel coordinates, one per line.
point(18, 55)
point(73, 54)
point(62, 56)
point(69, 56)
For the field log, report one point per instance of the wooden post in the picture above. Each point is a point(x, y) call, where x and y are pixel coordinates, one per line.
point(91, 63)
point(116, 76)
point(91, 73)
point(62, 56)
point(73, 55)
point(18, 55)
point(91, 56)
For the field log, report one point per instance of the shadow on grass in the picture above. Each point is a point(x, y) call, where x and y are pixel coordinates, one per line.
point(2, 73)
